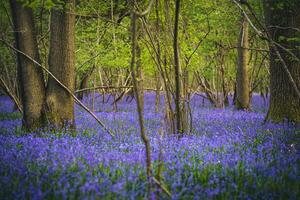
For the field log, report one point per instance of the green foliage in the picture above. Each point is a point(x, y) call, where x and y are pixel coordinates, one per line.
point(104, 42)
point(36, 4)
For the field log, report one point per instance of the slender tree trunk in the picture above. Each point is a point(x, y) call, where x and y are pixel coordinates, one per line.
point(30, 76)
point(140, 109)
point(139, 71)
point(59, 104)
point(83, 84)
point(157, 91)
point(179, 98)
point(157, 75)
point(242, 80)
point(283, 24)
point(94, 94)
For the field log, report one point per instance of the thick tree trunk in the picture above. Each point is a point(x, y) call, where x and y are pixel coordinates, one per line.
point(283, 24)
point(59, 109)
point(242, 101)
point(30, 76)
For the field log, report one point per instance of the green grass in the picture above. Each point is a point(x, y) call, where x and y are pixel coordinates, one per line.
point(10, 116)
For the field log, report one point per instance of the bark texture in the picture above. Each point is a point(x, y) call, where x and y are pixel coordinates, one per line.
point(242, 79)
point(59, 108)
point(180, 110)
point(30, 76)
point(283, 22)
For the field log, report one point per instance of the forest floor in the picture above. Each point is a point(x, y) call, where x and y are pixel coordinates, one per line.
point(229, 155)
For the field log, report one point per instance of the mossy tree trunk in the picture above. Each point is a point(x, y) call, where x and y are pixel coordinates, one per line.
point(242, 101)
point(30, 76)
point(283, 23)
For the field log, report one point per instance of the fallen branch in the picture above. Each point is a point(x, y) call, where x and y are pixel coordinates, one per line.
point(102, 87)
point(111, 87)
point(163, 188)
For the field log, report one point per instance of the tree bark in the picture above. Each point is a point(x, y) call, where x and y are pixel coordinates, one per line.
point(83, 85)
point(59, 108)
point(283, 24)
point(180, 110)
point(140, 107)
point(242, 80)
point(84, 82)
point(30, 76)
point(139, 71)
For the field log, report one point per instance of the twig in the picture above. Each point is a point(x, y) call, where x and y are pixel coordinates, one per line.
point(89, 60)
point(188, 59)
point(285, 28)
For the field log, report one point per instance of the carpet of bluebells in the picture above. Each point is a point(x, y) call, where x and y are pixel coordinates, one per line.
point(229, 155)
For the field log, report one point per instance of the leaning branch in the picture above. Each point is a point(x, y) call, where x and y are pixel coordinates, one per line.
point(11, 95)
point(112, 87)
point(188, 59)
point(102, 87)
point(62, 85)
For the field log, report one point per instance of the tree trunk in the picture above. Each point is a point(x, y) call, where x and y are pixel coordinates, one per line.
point(158, 58)
point(83, 84)
point(30, 76)
point(59, 104)
point(242, 80)
point(180, 110)
point(283, 24)
point(139, 72)
point(140, 108)
point(157, 91)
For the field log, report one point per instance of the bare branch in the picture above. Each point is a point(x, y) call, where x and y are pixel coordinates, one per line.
point(11, 95)
point(145, 12)
point(188, 59)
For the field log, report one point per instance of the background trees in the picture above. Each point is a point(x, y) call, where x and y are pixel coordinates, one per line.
point(207, 52)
